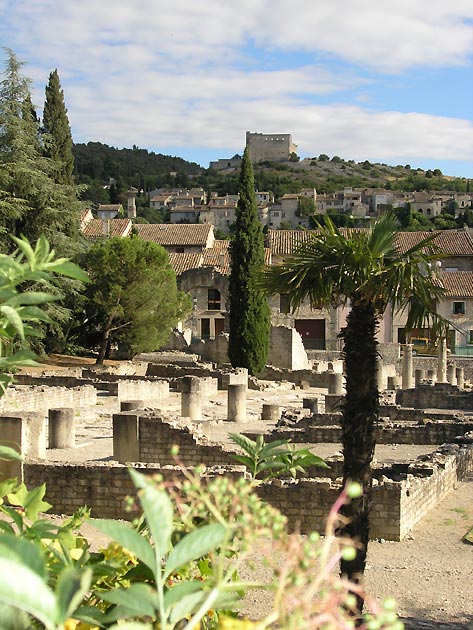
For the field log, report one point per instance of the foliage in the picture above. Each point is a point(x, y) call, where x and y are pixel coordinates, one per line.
point(364, 270)
point(132, 298)
point(21, 307)
point(57, 138)
point(273, 459)
point(249, 310)
point(174, 567)
point(31, 202)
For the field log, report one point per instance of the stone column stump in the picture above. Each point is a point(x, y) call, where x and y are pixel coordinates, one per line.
point(191, 398)
point(62, 428)
point(236, 411)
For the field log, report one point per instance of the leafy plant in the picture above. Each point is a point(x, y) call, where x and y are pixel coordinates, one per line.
point(266, 460)
point(21, 308)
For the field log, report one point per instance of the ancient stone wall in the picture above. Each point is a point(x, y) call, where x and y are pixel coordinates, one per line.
point(397, 505)
point(438, 396)
point(27, 398)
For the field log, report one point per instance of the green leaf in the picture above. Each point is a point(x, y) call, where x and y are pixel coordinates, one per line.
point(134, 625)
point(29, 298)
point(25, 590)
point(180, 590)
point(129, 538)
point(12, 316)
point(69, 269)
point(33, 502)
point(137, 599)
point(22, 551)
point(89, 614)
point(157, 509)
point(10, 454)
point(195, 545)
point(186, 606)
point(71, 588)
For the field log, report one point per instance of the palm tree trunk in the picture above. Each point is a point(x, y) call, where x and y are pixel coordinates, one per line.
point(360, 413)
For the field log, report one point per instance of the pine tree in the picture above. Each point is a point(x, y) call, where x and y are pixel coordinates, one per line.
point(57, 131)
point(31, 201)
point(249, 310)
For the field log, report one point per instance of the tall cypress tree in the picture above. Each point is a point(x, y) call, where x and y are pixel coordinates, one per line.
point(249, 310)
point(57, 139)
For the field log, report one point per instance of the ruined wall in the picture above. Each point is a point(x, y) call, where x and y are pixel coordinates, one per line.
point(286, 349)
point(42, 398)
point(431, 433)
point(438, 396)
point(397, 505)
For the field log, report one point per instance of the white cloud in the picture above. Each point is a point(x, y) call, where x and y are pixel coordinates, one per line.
point(184, 73)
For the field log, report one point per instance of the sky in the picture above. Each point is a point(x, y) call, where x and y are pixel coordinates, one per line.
point(384, 81)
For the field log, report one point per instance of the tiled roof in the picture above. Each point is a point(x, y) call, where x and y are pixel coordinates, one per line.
point(458, 283)
point(284, 242)
point(109, 207)
point(451, 242)
point(184, 262)
point(97, 228)
point(191, 234)
point(218, 256)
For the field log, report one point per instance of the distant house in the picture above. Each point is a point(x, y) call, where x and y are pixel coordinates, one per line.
point(107, 228)
point(179, 238)
point(110, 211)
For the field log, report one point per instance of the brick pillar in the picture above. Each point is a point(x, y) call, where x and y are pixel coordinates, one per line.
point(335, 383)
point(26, 433)
point(62, 429)
point(125, 437)
point(451, 377)
point(442, 362)
point(419, 375)
point(191, 398)
point(407, 366)
point(236, 411)
point(271, 413)
point(460, 376)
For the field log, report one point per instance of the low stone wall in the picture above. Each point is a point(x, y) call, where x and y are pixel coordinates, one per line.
point(438, 396)
point(434, 433)
point(397, 505)
point(145, 390)
point(156, 438)
point(42, 398)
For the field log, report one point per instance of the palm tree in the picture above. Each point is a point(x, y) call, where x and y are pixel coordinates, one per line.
point(364, 270)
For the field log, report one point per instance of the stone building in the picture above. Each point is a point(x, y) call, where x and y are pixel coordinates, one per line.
point(276, 147)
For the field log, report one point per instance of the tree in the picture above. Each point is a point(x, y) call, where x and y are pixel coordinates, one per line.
point(57, 138)
point(249, 310)
point(362, 270)
point(133, 297)
point(31, 202)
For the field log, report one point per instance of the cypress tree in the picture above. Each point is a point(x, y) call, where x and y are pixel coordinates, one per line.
point(249, 310)
point(57, 138)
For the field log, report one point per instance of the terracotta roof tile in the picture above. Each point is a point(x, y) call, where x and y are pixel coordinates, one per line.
point(191, 234)
point(98, 228)
point(184, 262)
point(451, 242)
point(458, 283)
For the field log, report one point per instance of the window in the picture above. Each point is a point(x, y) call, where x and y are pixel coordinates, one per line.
point(284, 303)
point(458, 308)
point(470, 336)
point(214, 300)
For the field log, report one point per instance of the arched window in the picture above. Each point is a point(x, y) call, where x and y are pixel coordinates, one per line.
point(214, 300)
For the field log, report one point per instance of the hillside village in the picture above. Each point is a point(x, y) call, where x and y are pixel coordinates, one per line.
point(201, 259)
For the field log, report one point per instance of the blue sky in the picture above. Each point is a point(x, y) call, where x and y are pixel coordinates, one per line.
point(383, 81)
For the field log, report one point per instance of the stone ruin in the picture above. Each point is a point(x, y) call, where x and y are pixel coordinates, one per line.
point(40, 413)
